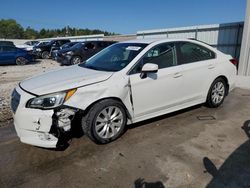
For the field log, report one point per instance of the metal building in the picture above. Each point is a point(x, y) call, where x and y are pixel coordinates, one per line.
point(225, 37)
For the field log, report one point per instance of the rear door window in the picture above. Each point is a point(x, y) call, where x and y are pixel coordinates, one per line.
point(189, 52)
point(8, 49)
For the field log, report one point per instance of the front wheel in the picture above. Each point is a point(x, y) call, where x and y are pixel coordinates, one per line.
point(217, 93)
point(105, 121)
point(21, 61)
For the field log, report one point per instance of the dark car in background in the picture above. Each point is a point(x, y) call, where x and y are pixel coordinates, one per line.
point(81, 52)
point(55, 50)
point(6, 43)
point(12, 55)
point(32, 42)
point(44, 51)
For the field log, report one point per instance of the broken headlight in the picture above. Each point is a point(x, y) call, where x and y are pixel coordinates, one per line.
point(51, 100)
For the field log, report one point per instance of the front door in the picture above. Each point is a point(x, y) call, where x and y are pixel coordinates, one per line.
point(158, 91)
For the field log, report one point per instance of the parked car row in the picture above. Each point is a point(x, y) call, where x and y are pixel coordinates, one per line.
point(70, 53)
point(63, 51)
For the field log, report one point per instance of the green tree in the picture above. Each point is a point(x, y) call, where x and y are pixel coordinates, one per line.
point(10, 29)
point(30, 33)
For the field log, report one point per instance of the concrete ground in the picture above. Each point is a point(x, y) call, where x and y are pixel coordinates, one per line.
point(196, 147)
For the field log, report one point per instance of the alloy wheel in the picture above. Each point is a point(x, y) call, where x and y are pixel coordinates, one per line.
point(218, 93)
point(21, 61)
point(109, 122)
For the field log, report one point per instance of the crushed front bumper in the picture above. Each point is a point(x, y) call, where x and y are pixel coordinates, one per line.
point(43, 128)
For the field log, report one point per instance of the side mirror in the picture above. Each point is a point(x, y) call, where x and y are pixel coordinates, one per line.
point(148, 68)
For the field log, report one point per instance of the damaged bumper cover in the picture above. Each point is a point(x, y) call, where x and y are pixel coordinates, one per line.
point(43, 128)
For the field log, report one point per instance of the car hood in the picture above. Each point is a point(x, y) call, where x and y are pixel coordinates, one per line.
point(63, 79)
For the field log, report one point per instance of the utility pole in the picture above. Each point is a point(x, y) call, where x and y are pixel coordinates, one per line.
point(67, 31)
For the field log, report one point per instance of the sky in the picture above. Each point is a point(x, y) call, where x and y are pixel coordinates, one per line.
point(121, 16)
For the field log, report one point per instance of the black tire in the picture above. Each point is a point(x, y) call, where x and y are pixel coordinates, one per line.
point(211, 101)
point(89, 121)
point(21, 61)
point(75, 60)
point(45, 55)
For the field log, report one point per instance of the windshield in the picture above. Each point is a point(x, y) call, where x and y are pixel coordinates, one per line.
point(78, 45)
point(68, 45)
point(115, 57)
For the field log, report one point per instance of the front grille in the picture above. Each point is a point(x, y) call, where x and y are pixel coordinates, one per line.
point(15, 100)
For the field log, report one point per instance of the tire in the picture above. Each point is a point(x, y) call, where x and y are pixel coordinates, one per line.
point(217, 93)
point(45, 55)
point(98, 125)
point(21, 61)
point(75, 60)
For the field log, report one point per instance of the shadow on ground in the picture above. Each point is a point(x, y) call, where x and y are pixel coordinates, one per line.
point(77, 132)
point(140, 183)
point(235, 171)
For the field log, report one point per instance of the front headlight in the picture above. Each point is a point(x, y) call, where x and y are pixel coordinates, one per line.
point(51, 100)
point(38, 49)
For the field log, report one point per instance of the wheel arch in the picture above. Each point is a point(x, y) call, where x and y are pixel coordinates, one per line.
point(112, 98)
point(226, 80)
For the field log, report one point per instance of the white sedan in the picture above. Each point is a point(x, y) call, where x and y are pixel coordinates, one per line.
point(125, 83)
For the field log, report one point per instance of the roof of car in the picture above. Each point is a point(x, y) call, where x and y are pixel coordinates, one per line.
point(151, 40)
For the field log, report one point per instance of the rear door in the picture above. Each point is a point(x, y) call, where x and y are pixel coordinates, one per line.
point(197, 64)
point(8, 54)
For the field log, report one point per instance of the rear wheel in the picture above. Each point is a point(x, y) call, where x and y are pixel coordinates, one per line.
point(76, 60)
point(21, 61)
point(105, 121)
point(45, 55)
point(217, 93)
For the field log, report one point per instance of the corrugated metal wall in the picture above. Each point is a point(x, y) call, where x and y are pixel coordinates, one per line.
point(225, 37)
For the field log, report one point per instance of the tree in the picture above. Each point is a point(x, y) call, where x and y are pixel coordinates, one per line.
point(30, 33)
point(10, 29)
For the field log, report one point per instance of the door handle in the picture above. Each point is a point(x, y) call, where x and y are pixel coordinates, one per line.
point(211, 66)
point(177, 75)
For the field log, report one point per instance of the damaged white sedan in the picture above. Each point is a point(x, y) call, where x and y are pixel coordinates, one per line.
point(125, 83)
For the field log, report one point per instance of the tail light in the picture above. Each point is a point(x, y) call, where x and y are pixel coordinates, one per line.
point(234, 61)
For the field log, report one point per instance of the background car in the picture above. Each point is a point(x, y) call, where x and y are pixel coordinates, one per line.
point(31, 43)
point(14, 55)
point(54, 50)
point(41, 43)
point(81, 52)
point(43, 51)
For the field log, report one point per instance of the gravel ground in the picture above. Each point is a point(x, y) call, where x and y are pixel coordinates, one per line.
point(10, 76)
